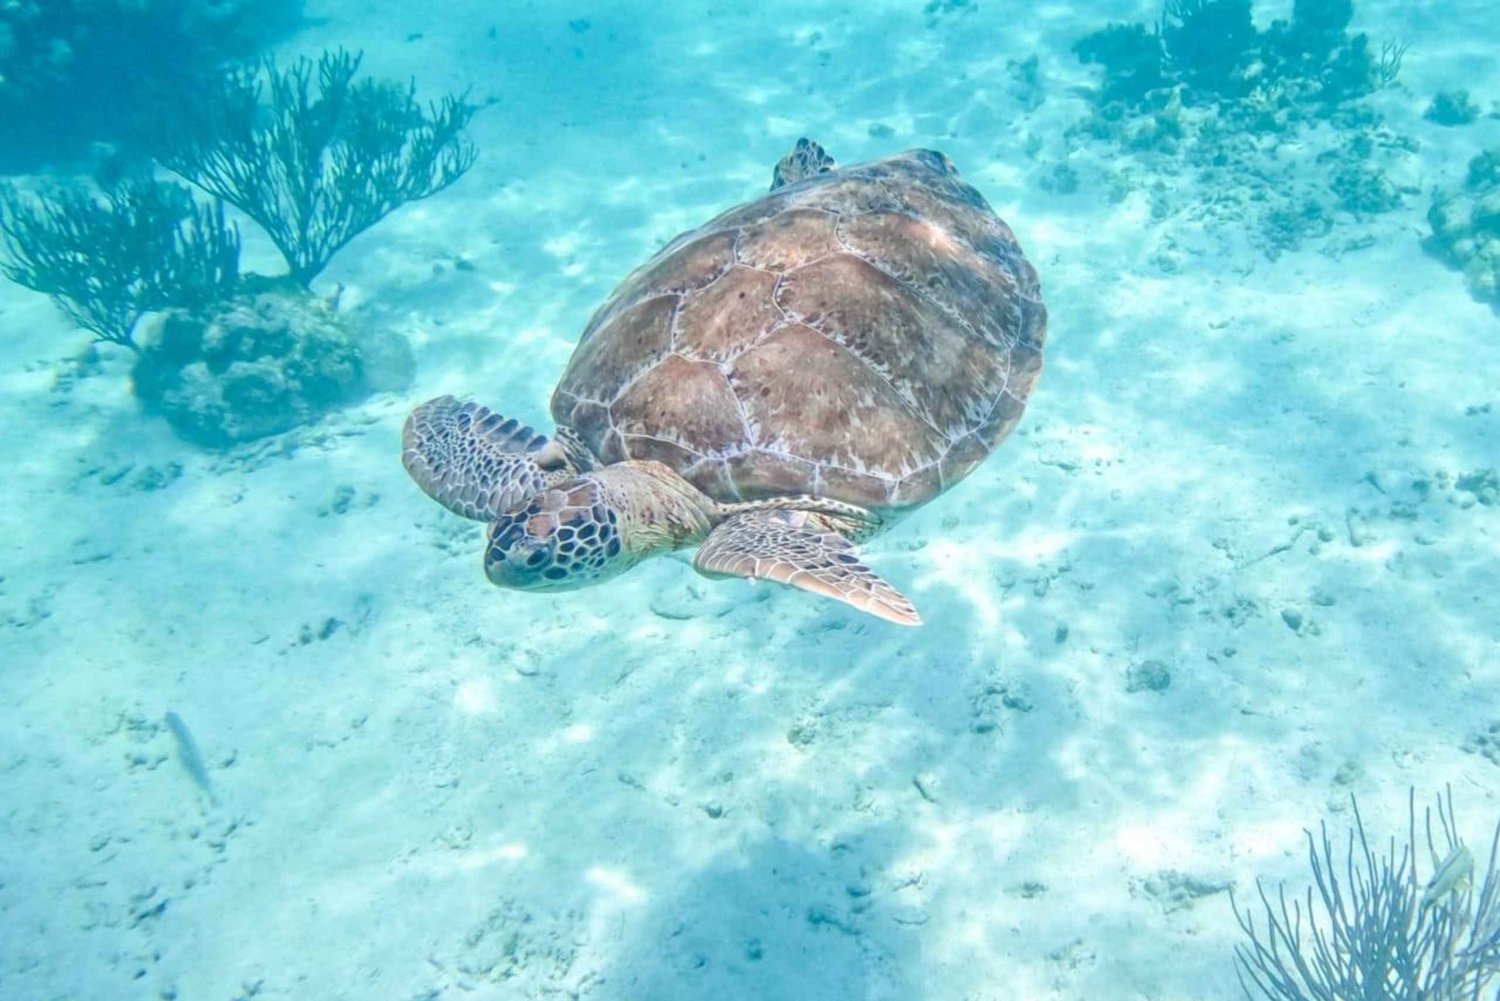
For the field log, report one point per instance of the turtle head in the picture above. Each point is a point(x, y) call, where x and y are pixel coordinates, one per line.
point(565, 537)
point(594, 526)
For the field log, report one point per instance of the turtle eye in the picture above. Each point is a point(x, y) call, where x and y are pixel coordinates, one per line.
point(508, 536)
point(537, 558)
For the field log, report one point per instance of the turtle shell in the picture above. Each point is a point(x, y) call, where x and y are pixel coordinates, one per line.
point(867, 334)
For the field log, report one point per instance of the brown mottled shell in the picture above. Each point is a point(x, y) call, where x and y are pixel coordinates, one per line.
point(868, 334)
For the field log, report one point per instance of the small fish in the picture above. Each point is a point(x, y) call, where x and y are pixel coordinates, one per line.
point(187, 754)
point(1451, 876)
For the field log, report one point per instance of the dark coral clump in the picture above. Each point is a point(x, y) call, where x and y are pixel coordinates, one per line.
point(1316, 49)
point(1483, 171)
point(1318, 28)
point(1451, 108)
point(1204, 95)
point(1131, 57)
point(74, 72)
point(1364, 190)
point(1207, 44)
point(1212, 50)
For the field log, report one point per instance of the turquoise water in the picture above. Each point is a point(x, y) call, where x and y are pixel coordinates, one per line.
point(267, 731)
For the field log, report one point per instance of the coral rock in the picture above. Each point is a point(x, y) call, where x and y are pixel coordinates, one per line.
point(261, 364)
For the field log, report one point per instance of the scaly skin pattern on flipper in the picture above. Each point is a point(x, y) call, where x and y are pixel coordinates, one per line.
point(601, 523)
point(849, 520)
point(800, 549)
point(475, 462)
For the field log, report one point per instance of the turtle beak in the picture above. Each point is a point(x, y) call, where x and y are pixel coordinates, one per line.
point(518, 562)
point(563, 539)
point(520, 565)
point(515, 556)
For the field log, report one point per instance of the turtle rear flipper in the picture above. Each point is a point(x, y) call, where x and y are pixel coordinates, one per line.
point(477, 463)
point(806, 159)
point(788, 547)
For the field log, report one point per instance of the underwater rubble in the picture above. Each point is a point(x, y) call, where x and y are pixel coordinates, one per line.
point(1273, 125)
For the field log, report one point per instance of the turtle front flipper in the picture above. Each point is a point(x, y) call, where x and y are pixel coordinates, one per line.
point(477, 463)
point(791, 548)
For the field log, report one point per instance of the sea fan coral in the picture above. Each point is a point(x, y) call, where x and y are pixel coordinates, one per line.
point(105, 261)
point(1376, 931)
point(323, 159)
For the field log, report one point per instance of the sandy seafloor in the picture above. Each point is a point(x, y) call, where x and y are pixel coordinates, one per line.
point(671, 788)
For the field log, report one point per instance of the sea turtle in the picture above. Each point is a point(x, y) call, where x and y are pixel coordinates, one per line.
point(773, 387)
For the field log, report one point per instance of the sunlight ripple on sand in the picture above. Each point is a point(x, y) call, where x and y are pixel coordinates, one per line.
point(475, 697)
point(617, 883)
